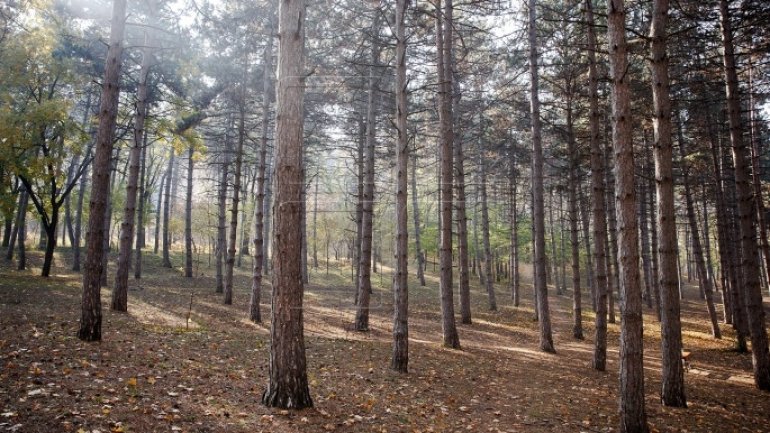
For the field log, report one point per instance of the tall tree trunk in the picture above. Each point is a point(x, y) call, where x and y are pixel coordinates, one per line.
point(288, 383)
point(697, 248)
point(120, 289)
point(315, 224)
point(21, 230)
point(221, 253)
point(746, 211)
point(259, 205)
point(359, 204)
point(572, 186)
point(188, 240)
point(654, 236)
point(158, 213)
point(140, 227)
point(108, 217)
point(613, 272)
point(91, 306)
point(672, 391)
point(546, 338)
point(514, 227)
point(233, 234)
point(167, 210)
point(367, 206)
point(645, 237)
point(461, 212)
point(444, 48)
point(488, 277)
point(585, 227)
point(416, 216)
point(552, 229)
point(79, 216)
point(756, 174)
point(400, 356)
point(21, 210)
point(632, 412)
point(598, 191)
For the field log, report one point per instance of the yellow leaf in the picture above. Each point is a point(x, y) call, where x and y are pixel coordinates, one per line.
point(117, 429)
point(131, 382)
point(151, 380)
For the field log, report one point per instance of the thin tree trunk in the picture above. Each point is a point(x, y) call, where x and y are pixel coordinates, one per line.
point(79, 217)
point(91, 306)
point(167, 210)
point(488, 277)
point(315, 224)
point(672, 390)
point(158, 213)
point(546, 338)
point(461, 211)
point(746, 212)
point(654, 236)
point(444, 48)
point(632, 411)
point(700, 262)
point(572, 186)
point(400, 353)
point(21, 230)
point(233, 235)
point(367, 206)
point(222, 215)
point(188, 240)
point(416, 216)
point(259, 205)
point(120, 289)
point(140, 228)
point(288, 382)
point(756, 174)
point(613, 272)
point(585, 224)
point(514, 220)
point(645, 239)
point(597, 186)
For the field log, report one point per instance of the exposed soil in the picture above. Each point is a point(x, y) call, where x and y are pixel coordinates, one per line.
point(158, 370)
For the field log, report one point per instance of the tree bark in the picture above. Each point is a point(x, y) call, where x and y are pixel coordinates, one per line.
point(120, 289)
point(672, 391)
point(697, 248)
point(488, 277)
point(140, 227)
point(233, 235)
point(288, 382)
point(514, 221)
point(188, 240)
point(444, 66)
point(572, 186)
point(259, 206)
point(546, 337)
point(21, 230)
point(79, 217)
point(91, 306)
point(222, 215)
point(367, 206)
point(746, 211)
point(460, 212)
point(598, 191)
point(167, 210)
point(400, 356)
point(632, 412)
point(416, 216)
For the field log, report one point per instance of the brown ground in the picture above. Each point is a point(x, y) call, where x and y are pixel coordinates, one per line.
point(155, 372)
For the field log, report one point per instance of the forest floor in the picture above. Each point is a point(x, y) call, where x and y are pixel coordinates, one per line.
point(182, 361)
